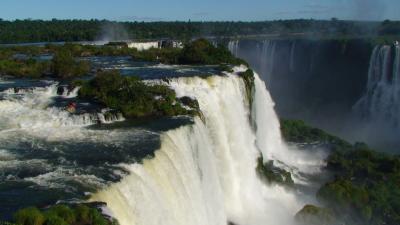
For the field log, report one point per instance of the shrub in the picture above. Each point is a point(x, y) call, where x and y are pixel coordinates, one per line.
point(64, 65)
point(62, 211)
point(82, 213)
point(29, 216)
point(55, 220)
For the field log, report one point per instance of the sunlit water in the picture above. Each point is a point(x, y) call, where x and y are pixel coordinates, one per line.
point(169, 171)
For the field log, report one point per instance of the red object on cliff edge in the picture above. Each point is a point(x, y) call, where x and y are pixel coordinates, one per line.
point(71, 107)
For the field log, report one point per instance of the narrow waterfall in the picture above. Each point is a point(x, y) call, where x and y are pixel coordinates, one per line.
point(263, 58)
point(381, 101)
point(204, 173)
point(233, 47)
point(292, 56)
point(267, 58)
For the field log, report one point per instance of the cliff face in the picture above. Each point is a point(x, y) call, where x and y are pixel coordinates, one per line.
point(318, 81)
point(308, 75)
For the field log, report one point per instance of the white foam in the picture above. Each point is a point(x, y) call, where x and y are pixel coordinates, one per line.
point(205, 173)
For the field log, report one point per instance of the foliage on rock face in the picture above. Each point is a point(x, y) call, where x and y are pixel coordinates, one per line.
point(273, 174)
point(365, 188)
point(132, 97)
point(366, 184)
point(248, 78)
point(299, 132)
point(61, 215)
point(313, 215)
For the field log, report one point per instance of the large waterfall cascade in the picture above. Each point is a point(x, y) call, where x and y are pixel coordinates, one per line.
point(381, 101)
point(204, 173)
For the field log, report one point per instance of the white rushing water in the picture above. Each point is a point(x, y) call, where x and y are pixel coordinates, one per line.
point(205, 173)
point(29, 109)
point(141, 46)
point(381, 101)
point(233, 47)
point(46, 145)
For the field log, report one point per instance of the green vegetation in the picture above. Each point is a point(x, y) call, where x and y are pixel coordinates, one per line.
point(248, 78)
point(61, 215)
point(25, 62)
point(88, 30)
point(199, 51)
point(24, 68)
point(202, 51)
point(299, 132)
point(365, 187)
point(132, 97)
point(65, 66)
point(273, 174)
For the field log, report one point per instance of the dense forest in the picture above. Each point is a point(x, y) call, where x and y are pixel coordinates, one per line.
point(19, 31)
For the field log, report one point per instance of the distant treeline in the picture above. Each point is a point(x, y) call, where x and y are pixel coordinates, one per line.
point(20, 31)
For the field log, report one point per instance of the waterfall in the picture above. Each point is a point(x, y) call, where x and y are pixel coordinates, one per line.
point(233, 47)
point(267, 58)
point(204, 173)
point(292, 56)
point(380, 103)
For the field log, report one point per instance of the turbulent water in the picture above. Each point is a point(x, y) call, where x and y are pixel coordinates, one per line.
point(48, 154)
point(205, 173)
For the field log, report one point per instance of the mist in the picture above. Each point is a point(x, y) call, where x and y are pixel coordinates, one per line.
point(113, 31)
point(321, 82)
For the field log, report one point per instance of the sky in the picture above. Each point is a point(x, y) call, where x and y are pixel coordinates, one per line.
point(200, 10)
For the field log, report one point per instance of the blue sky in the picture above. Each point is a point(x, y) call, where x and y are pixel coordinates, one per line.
point(155, 10)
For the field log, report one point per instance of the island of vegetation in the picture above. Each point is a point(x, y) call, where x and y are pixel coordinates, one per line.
point(364, 188)
point(132, 97)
